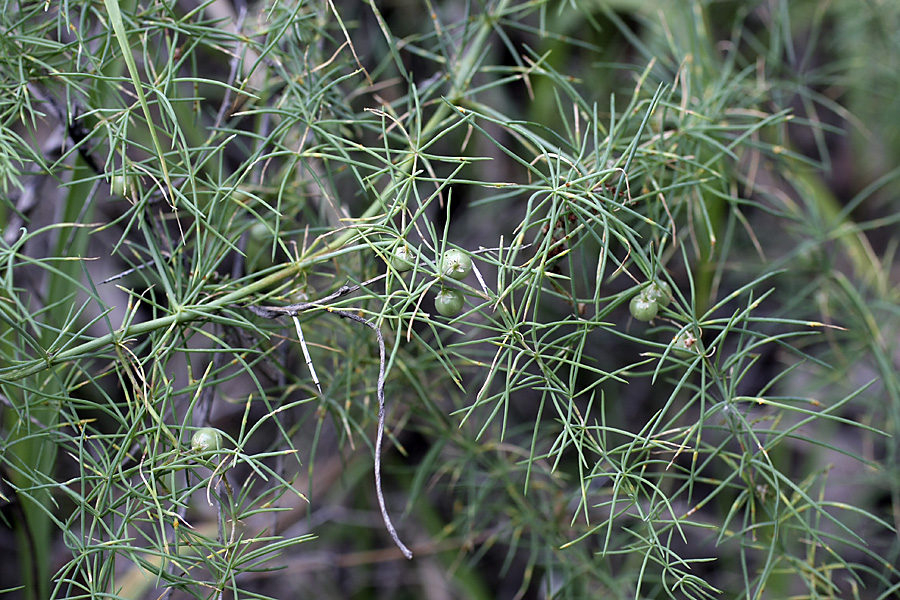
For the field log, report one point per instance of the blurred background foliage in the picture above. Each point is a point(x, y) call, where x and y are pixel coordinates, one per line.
point(171, 169)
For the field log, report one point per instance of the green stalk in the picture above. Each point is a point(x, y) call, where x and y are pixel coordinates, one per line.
point(186, 314)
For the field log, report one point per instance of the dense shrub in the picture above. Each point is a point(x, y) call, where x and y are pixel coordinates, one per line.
point(585, 299)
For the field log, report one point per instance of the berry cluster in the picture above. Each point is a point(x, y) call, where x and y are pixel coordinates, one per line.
point(455, 264)
point(646, 304)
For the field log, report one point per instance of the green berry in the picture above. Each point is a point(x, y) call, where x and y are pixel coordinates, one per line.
point(659, 292)
point(448, 302)
point(402, 260)
point(119, 185)
point(456, 264)
point(686, 345)
point(643, 308)
point(206, 440)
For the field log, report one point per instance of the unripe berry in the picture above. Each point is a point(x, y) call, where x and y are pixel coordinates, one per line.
point(659, 292)
point(206, 440)
point(402, 260)
point(448, 302)
point(642, 308)
point(456, 264)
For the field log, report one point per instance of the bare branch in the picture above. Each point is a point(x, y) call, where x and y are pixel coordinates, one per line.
point(272, 312)
point(378, 439)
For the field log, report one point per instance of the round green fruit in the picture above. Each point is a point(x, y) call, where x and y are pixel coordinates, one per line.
point(642, 308)
point(659, 292)
point(686, 345)
point(456, 264)
point(448, 302)
point(206, 440)
point(119, 185)
point(402, 260)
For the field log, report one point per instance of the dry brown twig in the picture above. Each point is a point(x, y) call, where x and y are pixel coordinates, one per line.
point(292, 310)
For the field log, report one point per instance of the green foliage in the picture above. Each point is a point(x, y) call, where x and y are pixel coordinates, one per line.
point(225, 233)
